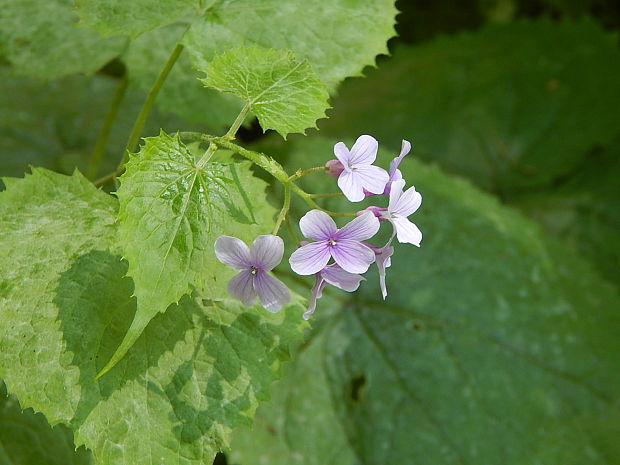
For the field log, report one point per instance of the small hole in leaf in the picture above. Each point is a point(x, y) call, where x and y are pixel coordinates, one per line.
point(357, 387)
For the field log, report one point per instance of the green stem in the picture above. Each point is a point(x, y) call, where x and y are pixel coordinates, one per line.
point(207, 156)
point(299, 173)
point(267, 163)
point(285, 206)
point(104, 179)
point(322, 196)
point(230, 135)
point(291, 231)
point(132, 142)
point(97, 155)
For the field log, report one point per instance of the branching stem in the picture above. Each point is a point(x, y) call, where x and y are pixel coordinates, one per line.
point(265, 162)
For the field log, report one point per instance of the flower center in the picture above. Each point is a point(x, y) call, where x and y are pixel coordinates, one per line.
point(331, 241)
point(253, 270)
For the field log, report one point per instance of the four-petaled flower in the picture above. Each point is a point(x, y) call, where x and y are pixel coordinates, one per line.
point(357, 178)
point(401, 205)
point(358, 172)
point(344, 245)
point(254, 262)
point(336, 276)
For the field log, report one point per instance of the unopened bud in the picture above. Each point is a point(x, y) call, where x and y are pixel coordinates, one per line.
point(379, 212)
point(334, 168)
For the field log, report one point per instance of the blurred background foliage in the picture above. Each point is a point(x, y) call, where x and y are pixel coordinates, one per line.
point(499, 340)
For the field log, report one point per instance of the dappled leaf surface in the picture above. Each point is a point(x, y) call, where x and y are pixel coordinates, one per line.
point(194, 374)
point(120, 17)
point(495, 345)
point(27, 438)
point(511, 106)
point(281, 91)
point(43, 39)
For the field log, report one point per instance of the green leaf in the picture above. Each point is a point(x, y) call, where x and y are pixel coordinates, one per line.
point(338, 38)
point(582, 210)
point(172, 209)
point(509, 117)
point(492, 334)
point(182, 92)
point(196, 372)
point(45, 41)
point(27, 438)
point(119, 17)
point(356, 30)
point(283, 93)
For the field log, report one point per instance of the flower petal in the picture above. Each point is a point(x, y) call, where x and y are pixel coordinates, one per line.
point(361, 228)
point(317, 225)
point(352, 256)
point(407, 232)
point(351, 187)
point(310, 258)
point(372, 178)
point(266, 251)
point(383, 260)
point(272, 292)
point(241, 287)
point(407, 203)
point(317, 293)
point(343, 155)
point(364, 151)
point(396, 190)
point(232, 252)
point(404, 150)
point(341, 279)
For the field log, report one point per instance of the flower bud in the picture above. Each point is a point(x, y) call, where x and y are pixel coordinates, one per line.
point(334, 168)
point(377, 211)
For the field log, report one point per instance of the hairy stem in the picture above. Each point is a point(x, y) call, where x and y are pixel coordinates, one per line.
point(147, 106)
point(284, 212)
point(97, 155)
point(299, 173)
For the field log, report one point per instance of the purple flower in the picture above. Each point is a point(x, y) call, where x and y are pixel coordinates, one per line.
point(336, 276)
point(394, 172)
point(344, 245)
point(383, 259)
point(254, 262)
point(359, 173)
point(401, 205)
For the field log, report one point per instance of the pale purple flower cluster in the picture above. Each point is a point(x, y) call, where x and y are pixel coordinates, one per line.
point(335, 257)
